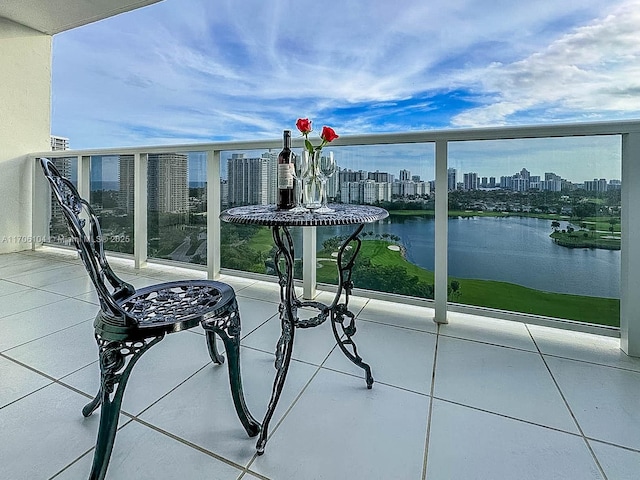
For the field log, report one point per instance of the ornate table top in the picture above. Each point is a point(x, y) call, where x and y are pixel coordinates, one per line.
point(344, 214)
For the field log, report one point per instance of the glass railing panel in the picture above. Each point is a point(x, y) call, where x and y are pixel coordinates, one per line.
point(58, 231)
point(534, 226)
point(111, 196)
point(249, 178)
point(177, 206)
point(397, 254)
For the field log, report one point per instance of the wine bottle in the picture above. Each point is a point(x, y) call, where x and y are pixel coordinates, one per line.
point(286, 174)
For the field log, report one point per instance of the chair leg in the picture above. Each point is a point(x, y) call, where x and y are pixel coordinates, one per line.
point(213, 349)
point(93, 405)
point(227, 327)
point(116, 362)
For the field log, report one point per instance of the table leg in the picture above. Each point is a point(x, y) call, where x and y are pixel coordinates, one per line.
point(288, 315)
point(340, 312)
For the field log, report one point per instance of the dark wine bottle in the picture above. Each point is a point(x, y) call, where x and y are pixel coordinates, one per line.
point(286, 174)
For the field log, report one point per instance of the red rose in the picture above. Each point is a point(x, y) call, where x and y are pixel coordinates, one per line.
point(328, 134)
point(304, 125)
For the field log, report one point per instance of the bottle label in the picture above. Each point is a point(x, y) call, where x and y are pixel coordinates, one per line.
point(285, 175)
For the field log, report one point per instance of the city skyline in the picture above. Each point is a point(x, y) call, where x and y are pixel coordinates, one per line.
point(191, 71)
point(109, 170)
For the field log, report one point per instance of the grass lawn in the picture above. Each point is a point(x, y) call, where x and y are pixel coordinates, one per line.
point(584, 239)
point(474, 213)
point(262, 240)
point(488, 293)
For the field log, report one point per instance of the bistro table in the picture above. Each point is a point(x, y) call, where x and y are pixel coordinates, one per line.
point(338, 312)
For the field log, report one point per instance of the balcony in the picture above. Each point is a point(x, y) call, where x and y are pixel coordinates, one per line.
point(479, 397)
point(482, 392)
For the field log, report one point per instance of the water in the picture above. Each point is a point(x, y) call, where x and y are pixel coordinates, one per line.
point(511, 249)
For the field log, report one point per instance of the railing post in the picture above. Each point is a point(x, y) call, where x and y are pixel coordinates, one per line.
point(84, 177)
point(309, 261)
point(213, 214)
point(140, 237)
point(41, 206)
point(630, 250)
point(441, 233)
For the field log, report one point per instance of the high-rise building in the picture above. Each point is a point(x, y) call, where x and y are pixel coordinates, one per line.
point(250, 180)
point(59, 143)
point(64, 167)
point(126, 183)
point(378, 176)
point(224, 192)
point(351, 192)
point(470, 181)
point(405, 175)
point(272, 176)
point(167, 187)
point(596, 185)
point(373, 192)
point(351, 176)
point(451, 179)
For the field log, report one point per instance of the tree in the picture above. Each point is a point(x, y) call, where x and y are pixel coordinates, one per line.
point(555, 225)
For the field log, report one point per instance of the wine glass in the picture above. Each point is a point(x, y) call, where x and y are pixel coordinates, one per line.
point(300, 169)
point(328, 167)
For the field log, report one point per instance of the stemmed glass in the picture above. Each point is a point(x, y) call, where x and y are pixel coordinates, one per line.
point(300, 170)
point(328, 167)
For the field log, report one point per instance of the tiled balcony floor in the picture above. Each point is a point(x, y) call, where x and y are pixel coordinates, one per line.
point(475, 399)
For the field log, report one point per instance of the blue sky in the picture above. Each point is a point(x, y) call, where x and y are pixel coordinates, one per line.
point(184, 71)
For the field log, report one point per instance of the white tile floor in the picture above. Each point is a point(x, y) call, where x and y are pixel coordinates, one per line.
point(475, 399)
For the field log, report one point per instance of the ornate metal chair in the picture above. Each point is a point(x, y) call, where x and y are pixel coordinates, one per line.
point(130, 321)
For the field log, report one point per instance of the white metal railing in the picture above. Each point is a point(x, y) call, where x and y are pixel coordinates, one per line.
point(630, 221)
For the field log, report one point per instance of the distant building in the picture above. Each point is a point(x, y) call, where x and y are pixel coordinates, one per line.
point(224, 192)
point(351, 176)
point(409, 188)
point(470, 181)
point(351, 192)
point(373, 192)
point(59, 143)
point(597, 185)
point(520, 182)
point(64, 167)
point(405, 175)
point(380, 176)
point(126, 183)
point(167, 187)
point(251, 180)
point(451, 179)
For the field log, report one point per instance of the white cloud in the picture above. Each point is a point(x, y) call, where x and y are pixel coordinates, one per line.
point(590, 70)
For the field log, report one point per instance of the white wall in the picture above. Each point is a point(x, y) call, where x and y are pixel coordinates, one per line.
point(25, 106)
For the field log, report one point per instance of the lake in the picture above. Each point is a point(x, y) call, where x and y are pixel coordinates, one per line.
point(509, 249)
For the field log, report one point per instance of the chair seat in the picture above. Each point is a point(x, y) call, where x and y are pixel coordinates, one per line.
point(167, 308)
point(178, 302)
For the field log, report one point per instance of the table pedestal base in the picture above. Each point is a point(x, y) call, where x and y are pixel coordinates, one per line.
point(343, 323)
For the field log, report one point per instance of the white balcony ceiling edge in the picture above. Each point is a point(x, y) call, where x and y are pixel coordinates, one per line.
point(55, 16)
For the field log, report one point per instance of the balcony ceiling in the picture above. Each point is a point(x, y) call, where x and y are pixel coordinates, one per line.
point(55, 16)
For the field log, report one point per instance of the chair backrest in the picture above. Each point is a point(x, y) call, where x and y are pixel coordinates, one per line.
point(89, 242)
